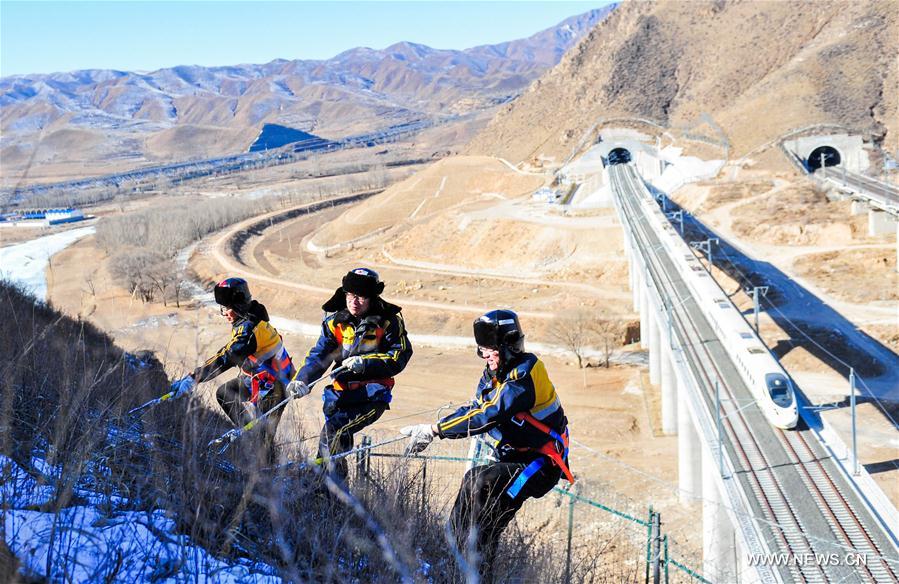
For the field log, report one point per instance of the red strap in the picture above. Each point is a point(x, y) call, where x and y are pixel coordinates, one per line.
point(550, 451)
point(254, 391)
point(263, 376)
point(527, 417)
point(549, 448)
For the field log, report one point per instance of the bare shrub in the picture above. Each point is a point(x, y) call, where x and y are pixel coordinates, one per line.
point(169, 228)
point(165, 230)
point(608, 333)
point(581, 331)
point(574, 332)
point(139, 270)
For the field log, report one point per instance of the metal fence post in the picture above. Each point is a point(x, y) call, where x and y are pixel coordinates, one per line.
point(474, 453)
point(655, 527)
point(424, 485)
point(648, 543)
point(718, 424)
point(855, 469)
point(665, 547)
point(362, 457)
point(571, 503)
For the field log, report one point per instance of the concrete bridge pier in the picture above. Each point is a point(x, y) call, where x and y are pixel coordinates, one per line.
point(669, 389)
point(655, 347)
point(689, 457)
point(644, 314)
point(879, 223)
point(719, 553)
point(636, 291)
point(630, 267)
point(857, 208)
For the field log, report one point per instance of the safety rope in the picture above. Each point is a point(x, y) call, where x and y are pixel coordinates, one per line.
point(322, 459)
point(375, 424)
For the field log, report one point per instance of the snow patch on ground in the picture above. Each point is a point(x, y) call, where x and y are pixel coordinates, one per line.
point(680, 170)
point(157, 321)
point(600, 197)
point(25, 263)
point(84, 544)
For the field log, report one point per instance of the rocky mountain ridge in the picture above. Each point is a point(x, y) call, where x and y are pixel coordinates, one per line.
point(757, 69)
point(173, 112)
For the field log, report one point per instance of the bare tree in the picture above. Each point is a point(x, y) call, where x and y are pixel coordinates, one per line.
point(133, 267)
point(161, 275)
point(574, 333)
point(179, 280)
point(608, 334)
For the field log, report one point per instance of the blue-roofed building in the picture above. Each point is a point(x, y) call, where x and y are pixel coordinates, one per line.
point(60, 216)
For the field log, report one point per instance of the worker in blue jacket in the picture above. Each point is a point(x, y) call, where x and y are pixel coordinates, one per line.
point(257, 350)
point(517, 405)
point(366, 334)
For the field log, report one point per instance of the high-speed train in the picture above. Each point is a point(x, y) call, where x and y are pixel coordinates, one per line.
point(762, 373)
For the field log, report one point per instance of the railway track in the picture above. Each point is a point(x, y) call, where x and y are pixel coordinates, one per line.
point(807, 509)
point(878, 194)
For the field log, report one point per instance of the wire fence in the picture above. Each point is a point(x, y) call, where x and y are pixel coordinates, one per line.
point(600, 533)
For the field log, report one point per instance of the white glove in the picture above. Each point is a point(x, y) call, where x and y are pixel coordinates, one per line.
point(354, 364)
point(183, 386)
point(298, 389)
point(420, 436)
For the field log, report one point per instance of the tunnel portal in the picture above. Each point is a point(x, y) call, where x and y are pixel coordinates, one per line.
point(618, 156)
point(823, 156)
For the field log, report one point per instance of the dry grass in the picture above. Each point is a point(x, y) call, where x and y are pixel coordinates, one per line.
point(799, 215)
point(66, 390)
point(847, 274)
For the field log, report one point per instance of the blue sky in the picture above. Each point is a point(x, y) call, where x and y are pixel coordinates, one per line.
point(44, 37)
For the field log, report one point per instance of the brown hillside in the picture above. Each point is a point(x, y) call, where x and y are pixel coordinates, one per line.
point(759, 69)
point(442, 186)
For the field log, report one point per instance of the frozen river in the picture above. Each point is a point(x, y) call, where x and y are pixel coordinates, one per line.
point(26, 263)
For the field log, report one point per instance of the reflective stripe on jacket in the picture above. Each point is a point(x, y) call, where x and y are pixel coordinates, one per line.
point(524, 388)
point(255, 347)
point(379, 338)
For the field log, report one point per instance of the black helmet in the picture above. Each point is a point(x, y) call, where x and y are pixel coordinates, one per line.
point(232, 293)
point(363, 282)
point(499, 329)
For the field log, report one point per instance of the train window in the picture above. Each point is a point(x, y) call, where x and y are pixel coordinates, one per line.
point(723, 305)
point(746, 335)
point(780, 389)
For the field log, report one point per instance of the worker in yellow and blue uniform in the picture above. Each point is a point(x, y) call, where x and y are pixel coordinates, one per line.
point(258, 351)
point(517, 405)
point(367, 335)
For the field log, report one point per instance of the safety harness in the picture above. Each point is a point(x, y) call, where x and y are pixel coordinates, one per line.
point(262, 381)
point(555, 449)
